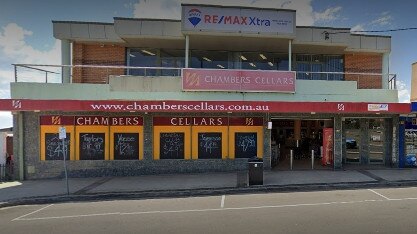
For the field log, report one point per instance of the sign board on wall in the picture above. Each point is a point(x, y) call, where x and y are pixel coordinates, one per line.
point(238, 80)
point(193, 106)
point(203, 18)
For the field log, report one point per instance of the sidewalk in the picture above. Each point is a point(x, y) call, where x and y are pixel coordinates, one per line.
point(41, 191)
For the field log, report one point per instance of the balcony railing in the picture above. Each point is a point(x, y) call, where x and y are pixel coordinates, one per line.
point(100, 74)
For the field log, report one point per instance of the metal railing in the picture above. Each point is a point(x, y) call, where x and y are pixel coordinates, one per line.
point(101, 74)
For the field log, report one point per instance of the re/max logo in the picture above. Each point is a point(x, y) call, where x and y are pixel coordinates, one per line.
point(241, 20)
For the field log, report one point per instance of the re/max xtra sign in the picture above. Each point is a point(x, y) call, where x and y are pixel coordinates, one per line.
point(212, 18)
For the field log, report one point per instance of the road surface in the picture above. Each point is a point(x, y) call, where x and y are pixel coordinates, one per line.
point(388, 210)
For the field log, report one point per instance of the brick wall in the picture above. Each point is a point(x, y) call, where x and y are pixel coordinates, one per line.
point(86, 54)
point(364, 63)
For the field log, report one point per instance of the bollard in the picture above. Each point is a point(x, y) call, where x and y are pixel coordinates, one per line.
point(291, 158)
point(312, 159)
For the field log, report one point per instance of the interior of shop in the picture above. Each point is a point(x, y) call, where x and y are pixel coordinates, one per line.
point(302, 138)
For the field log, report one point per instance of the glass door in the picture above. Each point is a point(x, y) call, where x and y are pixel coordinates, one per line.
point(376, 141)
point(353, 139)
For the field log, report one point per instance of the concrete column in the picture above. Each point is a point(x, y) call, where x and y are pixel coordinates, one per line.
point(147, 135)
point(385, 71)
point(66, 60)
point(187, 50)
point(364, 152)
point(338, 143)
point(395, 142)
point(289, 55)
point(267, 146)
point(20, 150)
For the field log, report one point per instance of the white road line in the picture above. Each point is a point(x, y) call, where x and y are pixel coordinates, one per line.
point(20, 217)
point(207, 210)
point(199, 210)
point(378, 194)
point(68, 216)
point(222, 202)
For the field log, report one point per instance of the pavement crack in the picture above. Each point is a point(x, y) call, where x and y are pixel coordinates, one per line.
point(92, 186)
point(375, 177)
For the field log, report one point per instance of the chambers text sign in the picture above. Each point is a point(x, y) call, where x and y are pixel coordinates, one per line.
point(239, 20)
point(238, 80)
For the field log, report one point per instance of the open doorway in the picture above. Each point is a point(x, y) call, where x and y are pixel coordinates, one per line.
point(302, 138)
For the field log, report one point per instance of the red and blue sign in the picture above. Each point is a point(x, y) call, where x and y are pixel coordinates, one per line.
point(194, 16)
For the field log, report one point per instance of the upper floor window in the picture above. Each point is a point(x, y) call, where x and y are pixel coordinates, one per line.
point(147, 57)
point(210, 59)
point(264, 61)
point(319, 67)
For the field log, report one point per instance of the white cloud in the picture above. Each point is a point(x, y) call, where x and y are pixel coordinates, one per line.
point(14, 47)
point(6, 120)
point(403, 91)
point(328, 15)
point(382, 21)
point(171, 9)
point(357, 28)
point(6, 76)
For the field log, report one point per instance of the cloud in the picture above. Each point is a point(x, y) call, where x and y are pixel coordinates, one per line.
point(328, 15)
point(6, 120)
point(171, 9)
point(403, 91)
point(357, 28)
point(14, 47)
point(383, 20)
point(6, 76)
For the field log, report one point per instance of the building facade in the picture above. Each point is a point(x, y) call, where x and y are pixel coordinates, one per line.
point(207, 92)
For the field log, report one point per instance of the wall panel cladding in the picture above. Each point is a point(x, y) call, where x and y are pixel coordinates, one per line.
point(364, 63)
point(109, 55)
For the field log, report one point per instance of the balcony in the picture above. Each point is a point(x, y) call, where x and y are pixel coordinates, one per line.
point(90, 82)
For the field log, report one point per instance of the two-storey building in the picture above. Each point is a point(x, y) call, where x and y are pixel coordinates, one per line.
point(205, 93)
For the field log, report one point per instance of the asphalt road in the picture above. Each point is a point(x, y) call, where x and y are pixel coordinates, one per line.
point(390, 210)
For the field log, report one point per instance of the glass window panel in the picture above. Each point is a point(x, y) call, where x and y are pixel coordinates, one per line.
point(307, 65)
point(353, 139)
point(172, 58)
point(142, 58)
point(264, 61)
point(210, 59)
point(376, 141)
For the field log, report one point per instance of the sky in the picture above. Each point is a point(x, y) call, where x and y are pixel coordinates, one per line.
point(26, 27)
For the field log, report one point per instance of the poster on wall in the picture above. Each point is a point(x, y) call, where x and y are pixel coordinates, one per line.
point(126, 146)
point(92, 146)
point(246, 145)
point(327, 158)
point(53, 146)
point(172, 145)
point(210, 145)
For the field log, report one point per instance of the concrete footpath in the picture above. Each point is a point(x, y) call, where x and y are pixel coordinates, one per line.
point(177, 185)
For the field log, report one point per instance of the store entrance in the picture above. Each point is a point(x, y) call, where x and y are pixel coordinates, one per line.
point(301, 137)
